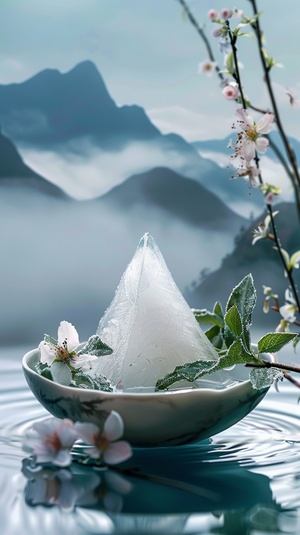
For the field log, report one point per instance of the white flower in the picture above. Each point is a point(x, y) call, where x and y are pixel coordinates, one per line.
point(52, 441)
point(105, 444)
point(207, 67)
point(250, 171)
point(61, 355)
point(263, 229)
point(250, 140)
point(290, 308)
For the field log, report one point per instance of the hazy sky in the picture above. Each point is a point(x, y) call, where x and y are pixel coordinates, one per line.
point(148, 54)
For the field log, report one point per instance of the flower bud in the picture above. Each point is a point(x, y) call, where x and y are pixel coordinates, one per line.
point(213, 14)
point(226, 13)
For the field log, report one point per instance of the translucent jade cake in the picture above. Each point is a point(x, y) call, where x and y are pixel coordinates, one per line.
point(149, 325)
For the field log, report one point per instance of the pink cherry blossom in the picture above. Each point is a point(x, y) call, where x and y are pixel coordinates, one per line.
point(51, 441)
point(231, 91)
point(249, 139)
point(105, 443)
point(213, 14)
point(226, 13)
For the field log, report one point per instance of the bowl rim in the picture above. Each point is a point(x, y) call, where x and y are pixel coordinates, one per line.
point(217, 391)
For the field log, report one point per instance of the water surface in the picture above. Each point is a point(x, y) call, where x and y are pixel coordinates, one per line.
point(243, 481)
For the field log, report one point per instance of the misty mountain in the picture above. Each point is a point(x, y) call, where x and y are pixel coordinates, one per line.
point(14, 173)
point(66, 124)
point(260, 259)
point(179, 196)
point(63, 260)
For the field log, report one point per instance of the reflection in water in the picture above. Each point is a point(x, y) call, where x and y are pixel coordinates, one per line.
point(243, 481)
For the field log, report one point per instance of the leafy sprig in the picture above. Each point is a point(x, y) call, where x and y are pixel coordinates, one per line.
point(230, 335)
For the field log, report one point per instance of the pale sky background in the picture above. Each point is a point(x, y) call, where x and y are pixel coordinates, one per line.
point(148, 54)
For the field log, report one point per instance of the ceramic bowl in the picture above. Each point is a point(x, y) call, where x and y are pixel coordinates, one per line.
point(155, 418)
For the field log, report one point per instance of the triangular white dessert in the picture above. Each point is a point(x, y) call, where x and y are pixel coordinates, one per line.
point(149, 325)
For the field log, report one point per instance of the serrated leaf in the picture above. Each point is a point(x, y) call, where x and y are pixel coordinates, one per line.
point(233, 321)
point(218, 310)
point(273, 342)
point(240, 355)
point(214, 334)
point(237, 354)
point(189, 372)
point(207, 318)
point(50, 340)
point(96, 347)
point(244, 297)
point(99, 382)
point(264, 377)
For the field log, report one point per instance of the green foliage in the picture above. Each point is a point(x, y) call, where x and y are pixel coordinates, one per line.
point(230, 336)
point(96, 347)
point(44, 370)
point(82, 380)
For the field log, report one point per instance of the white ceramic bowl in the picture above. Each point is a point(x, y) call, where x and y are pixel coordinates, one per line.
point(150, 419)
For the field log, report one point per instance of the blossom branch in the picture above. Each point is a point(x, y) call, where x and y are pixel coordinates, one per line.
point(289, 150)
point(200, 31)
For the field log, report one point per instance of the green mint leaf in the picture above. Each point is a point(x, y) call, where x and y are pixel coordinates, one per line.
point(218, 310)
point(50, 340)
point(264, 377)
point(44, 370)
point(208, 318)
point(95, 346)
point(82, 380)
point(189, 372)
point(233, 321)
point(273, 342)
point(214, 334)
point(244, 297)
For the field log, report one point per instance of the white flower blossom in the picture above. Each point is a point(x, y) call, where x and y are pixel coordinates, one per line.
point(207, 67)
point(62, 355)
point(288, 310)
point(263, 229)
point(250, 139)
point(105, 443)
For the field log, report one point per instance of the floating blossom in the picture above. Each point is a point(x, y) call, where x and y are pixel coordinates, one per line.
point(231, 91)
point(207, 67)
point(290, 308)
point(263, 230)
point(250, 140)
point(213, 14)
point(61, 354)
point(51, 441)
point(105, 443)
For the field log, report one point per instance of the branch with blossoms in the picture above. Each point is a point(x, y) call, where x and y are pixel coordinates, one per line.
point(253, 139)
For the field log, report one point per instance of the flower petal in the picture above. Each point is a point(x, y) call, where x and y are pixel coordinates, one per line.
point(63, 458)
point(67, 331)
point(244, 119)
point(113, 426)
point(117, 452)
point(247, 150)
point(48, 353)
point(265, 124)
point(83, 361)
point(262, 144)
point(61, 373)
point(87, 432)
